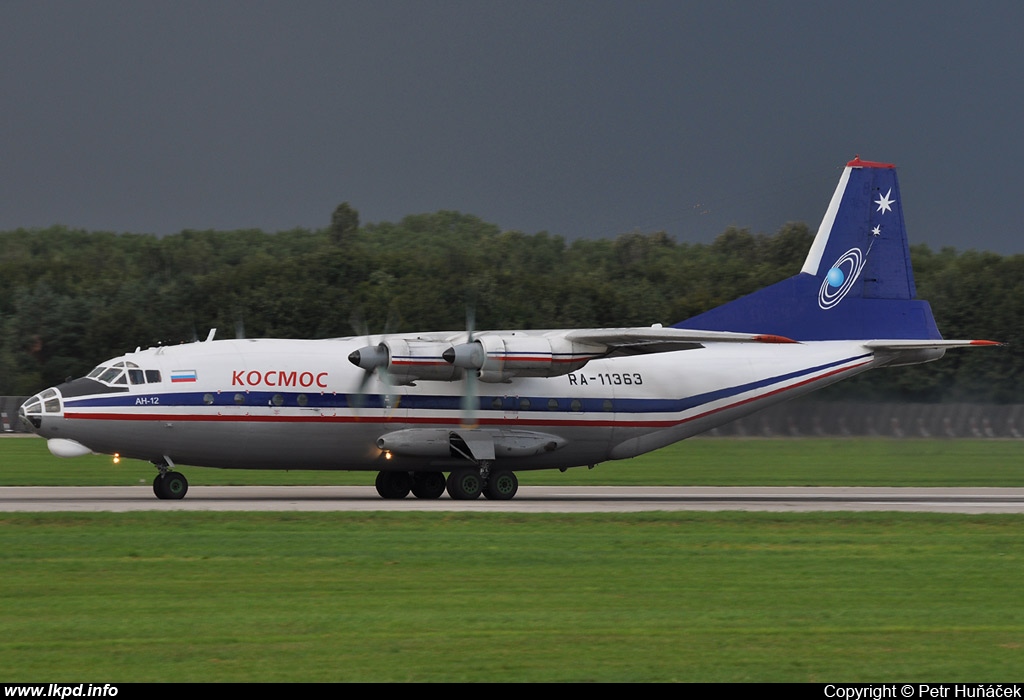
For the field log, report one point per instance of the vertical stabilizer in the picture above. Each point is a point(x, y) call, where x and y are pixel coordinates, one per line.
point(861, 247)
point(857, 281)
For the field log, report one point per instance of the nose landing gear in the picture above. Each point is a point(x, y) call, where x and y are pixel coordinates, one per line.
point(169, 484)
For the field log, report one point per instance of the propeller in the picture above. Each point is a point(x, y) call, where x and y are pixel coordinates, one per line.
point(372, 359)
point(470, 403)
point(469, 356)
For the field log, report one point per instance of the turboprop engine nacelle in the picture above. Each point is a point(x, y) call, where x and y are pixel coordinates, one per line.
point(407, 360)
point(500, 357)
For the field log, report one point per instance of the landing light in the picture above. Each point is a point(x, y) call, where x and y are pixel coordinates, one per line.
point(117, 458)
point(387, 454)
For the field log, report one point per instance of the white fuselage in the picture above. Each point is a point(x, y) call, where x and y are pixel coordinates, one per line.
point(301, 404)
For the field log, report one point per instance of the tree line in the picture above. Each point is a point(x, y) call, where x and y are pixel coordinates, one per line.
point(71, 298)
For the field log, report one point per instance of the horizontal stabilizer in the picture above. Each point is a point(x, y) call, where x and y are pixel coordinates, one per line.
point(912, 352)
point(882, 345)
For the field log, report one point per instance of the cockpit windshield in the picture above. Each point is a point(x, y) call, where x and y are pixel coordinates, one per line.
point(121, 373)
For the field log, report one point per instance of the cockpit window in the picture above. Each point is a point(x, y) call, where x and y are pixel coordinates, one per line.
point(51, 404)
point(110, 375)
point(123, 372)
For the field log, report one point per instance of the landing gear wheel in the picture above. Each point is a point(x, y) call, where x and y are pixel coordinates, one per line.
point(393, 484)
point(170, 486)
point(464, 484)
point(502, 486)
point(427, 484)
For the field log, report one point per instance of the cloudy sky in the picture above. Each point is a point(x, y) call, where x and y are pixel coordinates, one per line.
point(581, 118)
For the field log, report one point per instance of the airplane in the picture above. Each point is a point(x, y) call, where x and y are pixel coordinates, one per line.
point(483, 405)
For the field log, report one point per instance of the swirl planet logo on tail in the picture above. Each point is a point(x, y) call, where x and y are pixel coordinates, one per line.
point(845, 271)
point(839, 280)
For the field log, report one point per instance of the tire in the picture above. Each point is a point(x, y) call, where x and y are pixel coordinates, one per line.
point(502, 486)
point(393, 485)
point(170, 486)
point(465, 484)
point(428, 485)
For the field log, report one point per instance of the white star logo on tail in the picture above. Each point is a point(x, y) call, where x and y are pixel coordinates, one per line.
point(884, 203)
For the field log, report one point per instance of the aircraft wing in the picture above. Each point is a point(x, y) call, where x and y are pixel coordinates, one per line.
point(636, 341)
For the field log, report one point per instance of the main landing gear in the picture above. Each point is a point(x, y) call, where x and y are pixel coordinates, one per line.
point(462, 484)
point(168, 484)
point(399, 484)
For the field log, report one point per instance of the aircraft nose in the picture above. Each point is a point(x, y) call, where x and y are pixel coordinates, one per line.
point(37, 407)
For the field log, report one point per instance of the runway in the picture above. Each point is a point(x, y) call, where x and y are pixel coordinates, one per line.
point(531, 499)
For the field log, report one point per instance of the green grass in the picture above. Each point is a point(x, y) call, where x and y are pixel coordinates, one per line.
point(486, 597)
point(696, 462)
point(818, 597)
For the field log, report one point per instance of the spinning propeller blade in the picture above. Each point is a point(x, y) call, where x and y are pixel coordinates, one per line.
point(373, 360)
point(470, 403)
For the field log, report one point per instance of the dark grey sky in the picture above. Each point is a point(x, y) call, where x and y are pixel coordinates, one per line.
point(580, 118)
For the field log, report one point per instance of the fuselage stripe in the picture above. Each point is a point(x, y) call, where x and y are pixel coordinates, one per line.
point(641, 406)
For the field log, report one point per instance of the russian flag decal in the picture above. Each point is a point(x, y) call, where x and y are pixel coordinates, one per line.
point(183, 375)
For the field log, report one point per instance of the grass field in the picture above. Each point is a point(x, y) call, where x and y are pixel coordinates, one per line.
point(819, 597)
point(696, 462)
point(465, 597)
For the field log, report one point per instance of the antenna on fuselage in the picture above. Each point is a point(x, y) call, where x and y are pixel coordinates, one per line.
point(209, 337)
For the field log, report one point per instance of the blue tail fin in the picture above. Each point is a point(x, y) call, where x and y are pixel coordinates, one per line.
point(856, 283)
